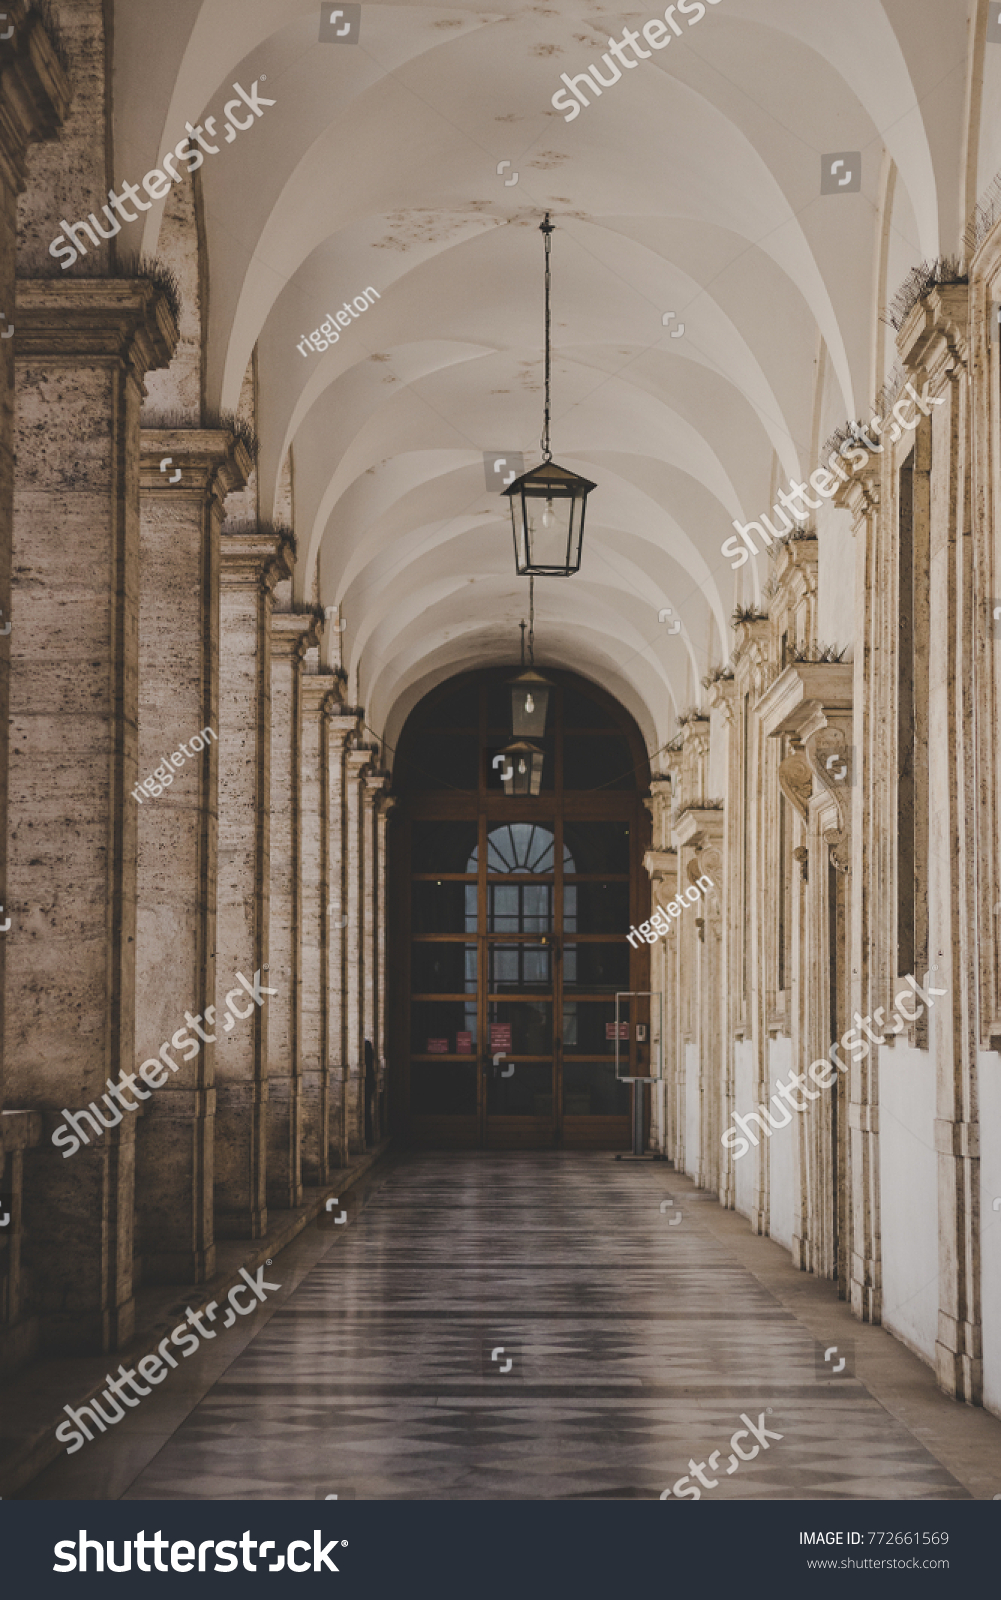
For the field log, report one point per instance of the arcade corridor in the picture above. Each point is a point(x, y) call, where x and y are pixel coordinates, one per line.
point(638, 1337)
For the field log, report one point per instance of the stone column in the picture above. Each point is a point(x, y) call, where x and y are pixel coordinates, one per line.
point(356, 760)
point(34, 99)
point(317, 692)
point(252, 563)
point(386, 806)
point(291, 636)
point(82, 349)
point(341, 724)
point(177, 830)
point(375, 783)
point(934, 343)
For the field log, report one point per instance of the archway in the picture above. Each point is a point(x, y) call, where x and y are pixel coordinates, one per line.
point(510, 916)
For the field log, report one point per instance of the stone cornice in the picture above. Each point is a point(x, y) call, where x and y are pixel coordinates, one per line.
point(211, 461)
point(319, 689)
point(861, 494)
point(721, 696)
point(935, 336)
point(788, 705)
point(292, 634)
point(660, 864)
point(698, 826)
point(802, 555)
point(92, 319)
point(35, 92)
point(255, 558)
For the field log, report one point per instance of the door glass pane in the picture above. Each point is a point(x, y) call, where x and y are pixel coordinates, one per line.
point(520, 847)
point(597, 846)
point(596, 908)
point(587, 1028)
point(443, 1027)
point(527, 1091)
point(443, 846)
point(590, 1089)
point(445, 1089)
point(519, 907)
point(443, 907)
point(429, 761)
point(521, 969)
point(596, 968)
point(604, 762)
point(520, 1027)
point(444, 969)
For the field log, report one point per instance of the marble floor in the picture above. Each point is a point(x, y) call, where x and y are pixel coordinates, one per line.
point(535, 1326)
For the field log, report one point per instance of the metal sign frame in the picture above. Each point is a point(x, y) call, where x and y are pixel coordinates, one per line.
point(656, 1033)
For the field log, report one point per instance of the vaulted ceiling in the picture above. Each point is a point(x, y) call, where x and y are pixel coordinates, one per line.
point(692, 186)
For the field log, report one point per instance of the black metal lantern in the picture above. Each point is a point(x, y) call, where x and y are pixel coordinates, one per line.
point(529, 704)
point(548, 503)
point(521, 772)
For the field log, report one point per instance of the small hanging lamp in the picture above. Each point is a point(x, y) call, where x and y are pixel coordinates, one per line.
point(548, 503)
point(522, 772)
point(529, 690)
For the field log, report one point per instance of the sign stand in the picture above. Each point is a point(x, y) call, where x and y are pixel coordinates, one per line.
point(652, 1077)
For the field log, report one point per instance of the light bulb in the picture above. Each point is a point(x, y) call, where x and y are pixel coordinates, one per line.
point(529, 704)
point(548, 516)
point(522, 769)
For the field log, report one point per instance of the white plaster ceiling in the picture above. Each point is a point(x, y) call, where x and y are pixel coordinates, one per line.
point(692, 185)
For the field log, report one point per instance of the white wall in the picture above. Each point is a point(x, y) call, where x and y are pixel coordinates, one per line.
point(745, 1170)
point(781, 1147)
point(908, 1196)
point(692, 1109)
point(989, 1074)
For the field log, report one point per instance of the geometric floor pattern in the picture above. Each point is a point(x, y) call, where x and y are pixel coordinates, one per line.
point(532, 1326)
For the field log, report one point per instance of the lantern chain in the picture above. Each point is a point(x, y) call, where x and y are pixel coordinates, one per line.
point(546, 228)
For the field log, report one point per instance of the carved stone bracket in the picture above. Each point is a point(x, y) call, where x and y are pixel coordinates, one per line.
point(830, 757)
point(796, 781)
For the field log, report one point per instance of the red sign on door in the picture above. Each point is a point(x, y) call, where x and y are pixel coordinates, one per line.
point(500, 1036)
point(463, 1044)
point(610, 1030)
point(437, 1047)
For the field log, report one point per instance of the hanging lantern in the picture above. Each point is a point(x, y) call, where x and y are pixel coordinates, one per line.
point(548, 503)
point(524, 763)
point(529, 705)
point(547, 520)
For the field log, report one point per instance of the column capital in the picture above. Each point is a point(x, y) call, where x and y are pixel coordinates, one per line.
point(79, 319)
point(292, 634)
point(342, 720)
point(35, 91)
point(935, 337)
point(319, 692)
point(255, 558)
point(212, 462)
point(358, 757)
point(376, 782)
